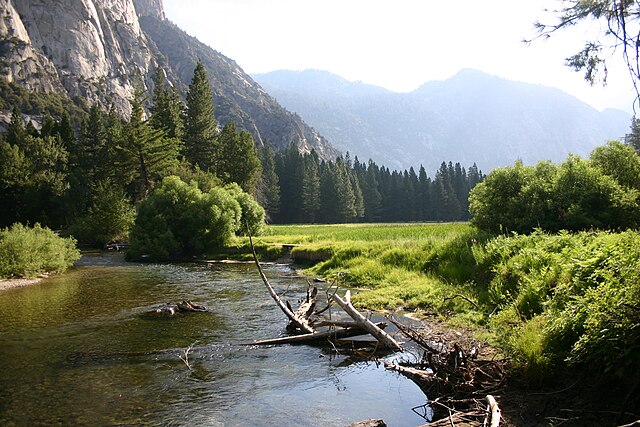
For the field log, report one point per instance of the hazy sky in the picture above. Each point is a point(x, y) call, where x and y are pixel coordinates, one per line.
point(398, 44)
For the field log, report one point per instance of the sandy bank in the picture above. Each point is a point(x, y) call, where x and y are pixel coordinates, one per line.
point(18, 283)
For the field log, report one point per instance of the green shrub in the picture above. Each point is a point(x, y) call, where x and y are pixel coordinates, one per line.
point(253, 215)
point(585, 286)
point(179, 221)
point(28, 252)
point(576, 195)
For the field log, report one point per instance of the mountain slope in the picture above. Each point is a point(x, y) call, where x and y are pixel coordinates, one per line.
point(96, 49)
point(471, 117)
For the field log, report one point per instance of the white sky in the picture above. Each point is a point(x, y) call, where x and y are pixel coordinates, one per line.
point(399, 44)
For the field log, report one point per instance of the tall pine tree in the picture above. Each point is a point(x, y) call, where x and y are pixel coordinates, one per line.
point(201, 128)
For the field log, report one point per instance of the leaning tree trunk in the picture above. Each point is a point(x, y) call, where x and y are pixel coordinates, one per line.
point(384, 338)
point(297, 321)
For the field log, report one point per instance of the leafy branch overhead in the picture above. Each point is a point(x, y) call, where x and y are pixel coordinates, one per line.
point(619, 33)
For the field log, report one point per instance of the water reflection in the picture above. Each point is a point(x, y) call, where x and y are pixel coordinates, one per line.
point(77, 349)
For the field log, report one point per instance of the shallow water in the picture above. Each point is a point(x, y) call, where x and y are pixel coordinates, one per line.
point(78, 349)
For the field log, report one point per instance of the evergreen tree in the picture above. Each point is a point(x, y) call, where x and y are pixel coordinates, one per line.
point(16, 132)
point(346, 210)
point(66, 132)
point(358, 198)
point(422, 195)
point(268, 193)
point(166, 108)
point(371, 195)
point(633, 137)
point(290, 171)
point(311, 188)
point(238, 161)
point(152, 155)
point(201, 131)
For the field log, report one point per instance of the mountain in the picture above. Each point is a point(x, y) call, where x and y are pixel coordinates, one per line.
point(471, 117)
point(95, 50)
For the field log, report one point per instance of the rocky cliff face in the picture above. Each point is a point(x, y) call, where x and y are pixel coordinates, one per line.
point(96, 49)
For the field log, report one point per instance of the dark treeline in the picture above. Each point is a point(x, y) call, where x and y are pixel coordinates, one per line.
point(316, 191)
point(86, 169)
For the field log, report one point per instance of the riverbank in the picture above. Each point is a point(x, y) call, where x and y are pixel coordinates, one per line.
point(18, 283)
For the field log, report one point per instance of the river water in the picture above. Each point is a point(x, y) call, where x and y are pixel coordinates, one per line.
point(78, 349)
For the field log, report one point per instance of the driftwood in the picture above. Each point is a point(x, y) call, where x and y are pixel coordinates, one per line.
point(181, 307)
point(318, 336)
point(455, 373)
point(384, 338)
point(304, 311)
point(369, 423)
point(298, 322)
point(493, 412)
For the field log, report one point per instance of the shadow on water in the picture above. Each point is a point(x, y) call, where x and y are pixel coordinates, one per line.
point(78, 349)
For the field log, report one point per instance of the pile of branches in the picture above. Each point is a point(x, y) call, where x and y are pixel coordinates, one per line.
point(451, 368)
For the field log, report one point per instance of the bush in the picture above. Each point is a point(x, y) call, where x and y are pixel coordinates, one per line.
point(253, 215)
point(579, 293)
point(179, 221)
point(577, 195)
point(28, 252)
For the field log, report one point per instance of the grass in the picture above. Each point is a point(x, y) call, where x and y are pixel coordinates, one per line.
point(415, 266)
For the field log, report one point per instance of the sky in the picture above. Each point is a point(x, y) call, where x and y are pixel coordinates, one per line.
point(400, 44)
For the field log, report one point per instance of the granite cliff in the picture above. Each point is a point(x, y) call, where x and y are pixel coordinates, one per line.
point(95, 50)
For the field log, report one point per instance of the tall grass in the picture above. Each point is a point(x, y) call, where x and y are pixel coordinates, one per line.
point(28, 252)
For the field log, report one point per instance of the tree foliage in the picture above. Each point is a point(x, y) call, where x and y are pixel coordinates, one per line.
point(576, 195)
point(619, 33)
point(30, 251)
point(178, 220)
point(201, 128)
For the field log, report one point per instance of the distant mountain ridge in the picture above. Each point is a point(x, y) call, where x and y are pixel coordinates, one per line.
point(471, 117)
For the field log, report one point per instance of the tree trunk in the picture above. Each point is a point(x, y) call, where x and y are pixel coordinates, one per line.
point(384, 338)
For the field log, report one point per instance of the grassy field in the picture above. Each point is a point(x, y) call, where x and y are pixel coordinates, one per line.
point(548, 300)
point(415, 266)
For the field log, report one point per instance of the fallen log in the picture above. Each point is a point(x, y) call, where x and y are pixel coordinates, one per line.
point(300, 323)
point(317, 336)
point(493, 412)
point(382, 337)
point(305, 310)
point(413, 373)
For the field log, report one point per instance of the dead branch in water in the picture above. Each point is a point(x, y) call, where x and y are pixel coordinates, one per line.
point(300, 323)
point(384, 338)
point(453, 372)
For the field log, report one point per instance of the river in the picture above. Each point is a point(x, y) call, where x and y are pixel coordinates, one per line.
point(78, 349)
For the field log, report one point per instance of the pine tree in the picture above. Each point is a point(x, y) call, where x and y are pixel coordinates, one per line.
point(201, 129)
point(268, 193)
point(290, 171)
point(238, 160)
point(311, 188)
point(371, 195)
point(166, 108)
point(16, 132)
point(633, 138)
point(152, 155)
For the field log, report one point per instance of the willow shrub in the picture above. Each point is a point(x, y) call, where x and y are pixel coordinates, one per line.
point(178, 221)
point(31, 251)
